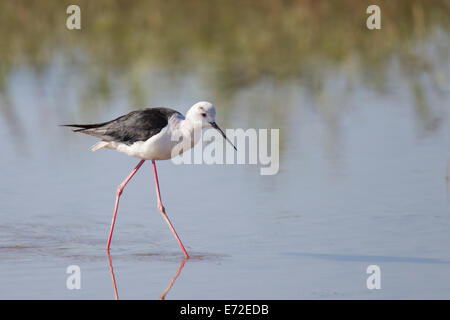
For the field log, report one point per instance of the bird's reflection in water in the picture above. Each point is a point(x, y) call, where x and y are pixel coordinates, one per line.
point(163, 294)
point(112, 275)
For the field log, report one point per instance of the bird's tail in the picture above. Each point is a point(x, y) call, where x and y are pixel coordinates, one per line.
point(82, 127)
point(96, 130)
point(90, 129)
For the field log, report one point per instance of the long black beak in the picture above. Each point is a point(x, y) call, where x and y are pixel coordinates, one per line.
point(215, 126)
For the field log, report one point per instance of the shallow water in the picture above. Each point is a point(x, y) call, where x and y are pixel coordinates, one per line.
point(362, 181)
point(379, 196)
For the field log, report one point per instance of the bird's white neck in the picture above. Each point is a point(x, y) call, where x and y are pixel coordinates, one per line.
point(191, 130)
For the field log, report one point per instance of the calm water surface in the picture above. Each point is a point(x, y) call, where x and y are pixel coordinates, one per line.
point(362, 181)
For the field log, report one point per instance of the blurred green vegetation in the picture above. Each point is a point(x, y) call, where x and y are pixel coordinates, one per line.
point(231, 44)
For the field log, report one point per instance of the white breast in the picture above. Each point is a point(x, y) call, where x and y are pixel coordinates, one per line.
point(162, 146)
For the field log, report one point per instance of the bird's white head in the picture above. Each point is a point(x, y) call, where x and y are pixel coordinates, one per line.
point(202, 112)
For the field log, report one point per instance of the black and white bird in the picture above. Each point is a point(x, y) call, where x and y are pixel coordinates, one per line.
point(152, 134)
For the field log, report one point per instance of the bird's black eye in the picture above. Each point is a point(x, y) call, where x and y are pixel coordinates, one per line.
point(203, 114)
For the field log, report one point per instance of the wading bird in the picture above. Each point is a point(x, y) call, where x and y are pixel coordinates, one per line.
point(152, 134)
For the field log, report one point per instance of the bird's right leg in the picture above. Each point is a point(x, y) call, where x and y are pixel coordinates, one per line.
point(163, 212)
point(119, 192)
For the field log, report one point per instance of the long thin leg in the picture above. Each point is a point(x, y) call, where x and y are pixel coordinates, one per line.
point(163, 211)
point(119, 192)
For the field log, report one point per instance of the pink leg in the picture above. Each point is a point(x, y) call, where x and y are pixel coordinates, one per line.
point(163, 211)
point(119, 192)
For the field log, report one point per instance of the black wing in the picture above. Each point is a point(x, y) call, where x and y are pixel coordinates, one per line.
point(139, 125)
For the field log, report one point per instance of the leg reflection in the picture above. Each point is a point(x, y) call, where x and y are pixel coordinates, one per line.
point(163, 294)
point(112, 275)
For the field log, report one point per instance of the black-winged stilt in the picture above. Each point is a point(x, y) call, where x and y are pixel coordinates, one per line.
point(151, 134)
